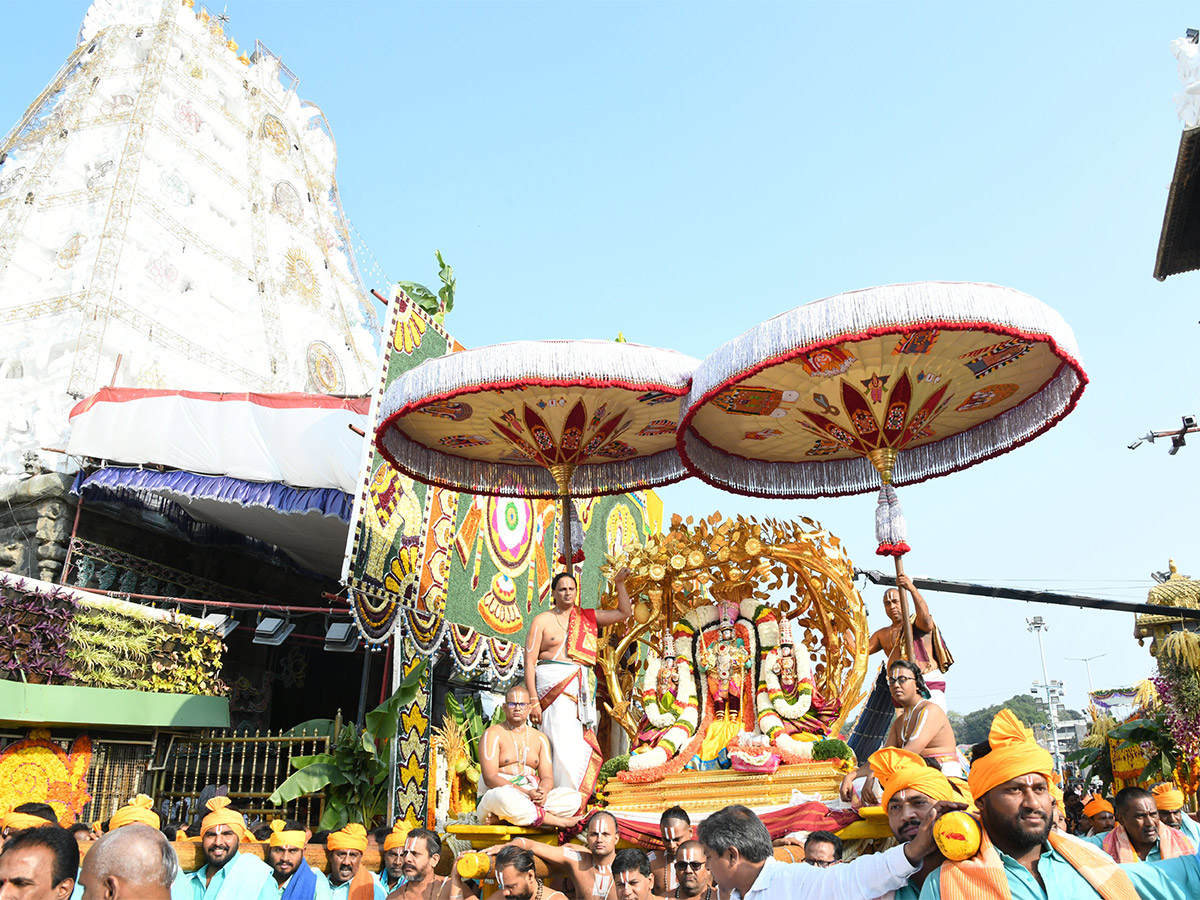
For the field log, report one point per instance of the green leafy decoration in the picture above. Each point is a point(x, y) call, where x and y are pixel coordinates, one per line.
point(354, 774)
point(439, 304)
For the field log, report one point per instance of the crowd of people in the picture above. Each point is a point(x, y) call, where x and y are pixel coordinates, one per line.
point(1142, 844)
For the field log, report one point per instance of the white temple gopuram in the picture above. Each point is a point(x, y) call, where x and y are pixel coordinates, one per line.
point(169, 218)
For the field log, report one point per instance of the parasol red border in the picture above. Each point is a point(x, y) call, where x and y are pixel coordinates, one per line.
point(685, 422)
point(591, 383)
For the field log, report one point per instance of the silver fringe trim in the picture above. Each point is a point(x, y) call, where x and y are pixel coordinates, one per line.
point(909, 305)
point(531, 361)
point(857, 476)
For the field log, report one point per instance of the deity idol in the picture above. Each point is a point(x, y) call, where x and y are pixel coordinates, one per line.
point(732, 683)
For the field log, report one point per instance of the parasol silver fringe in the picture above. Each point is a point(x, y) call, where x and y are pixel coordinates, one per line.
point(833, 478)
point(532, 361)
point(910, 306)
point(900, 307)
point(521, 362)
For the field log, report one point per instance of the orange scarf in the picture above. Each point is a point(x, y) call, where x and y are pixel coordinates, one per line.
point(362, 886)
point(1171, 843)
point(982, 877)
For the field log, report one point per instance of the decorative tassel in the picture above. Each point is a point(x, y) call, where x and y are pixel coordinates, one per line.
point(890, 528)
point(576, 533)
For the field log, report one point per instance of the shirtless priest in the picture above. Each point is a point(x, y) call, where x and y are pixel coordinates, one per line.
point(559, 654)
point(519, 774)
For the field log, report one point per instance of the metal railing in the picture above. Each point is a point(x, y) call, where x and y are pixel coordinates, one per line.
point(252, 766)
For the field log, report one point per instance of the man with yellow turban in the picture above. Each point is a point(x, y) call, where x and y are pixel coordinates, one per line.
point(294, 878)
point(226, 873)
point(1169, 799)
point(910, 789)
point(139, 810)
point(348, 878)
point(1100, 814)
point(1021, 858)
point(391, 875)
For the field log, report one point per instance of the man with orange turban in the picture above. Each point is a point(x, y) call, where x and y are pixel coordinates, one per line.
point(1101, 816)
point(391, 875)
point(226, 873)
point(910, 789)
point(348, 878)
point(1021, 858)
point(294, 878)
point(139, 810)
point(1139, 833)
point(1169, 799)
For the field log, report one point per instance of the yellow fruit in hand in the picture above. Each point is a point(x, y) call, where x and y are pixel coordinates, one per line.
point(957, 836)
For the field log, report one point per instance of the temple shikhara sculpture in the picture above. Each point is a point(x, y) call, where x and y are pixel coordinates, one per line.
point(169, 218)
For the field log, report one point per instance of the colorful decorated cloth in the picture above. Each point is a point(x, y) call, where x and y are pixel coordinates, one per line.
point(899, 770)
point(946, 374)
point(1171, 843)
point(493, 420)
point(1068, 867)
point(282, 838)
point(221, 814)
point(1014, 753)
point(581, 636)
point(139, 810)
point(811, 815)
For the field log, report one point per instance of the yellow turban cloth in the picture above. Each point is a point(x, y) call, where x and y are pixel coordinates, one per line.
point(281, 838)
point(1014, 753)
point(19, 821)
point(221, 814)
point(1167, 796)
point(1056, 791)
point(1096, 806)
point(352, 837)
point(398, 836)
point(900, 770)
point(140, 811)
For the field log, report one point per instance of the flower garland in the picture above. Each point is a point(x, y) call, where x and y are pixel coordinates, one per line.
point(680, 732)
point(791, 709)
point(652, 703)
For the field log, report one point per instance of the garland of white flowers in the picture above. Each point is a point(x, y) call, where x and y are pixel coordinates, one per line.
point(778, 696)
point(652, 703)
point(683, 729)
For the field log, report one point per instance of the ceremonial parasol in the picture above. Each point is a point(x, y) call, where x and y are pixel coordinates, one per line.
point(890, 385)
point(539, 419)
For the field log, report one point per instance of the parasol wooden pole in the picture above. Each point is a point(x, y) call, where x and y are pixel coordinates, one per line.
point(562, 477)
point(905, 617)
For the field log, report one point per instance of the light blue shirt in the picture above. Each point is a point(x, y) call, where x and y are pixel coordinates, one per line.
point(342, 891)
point(1170, 879)
point(1191, 828)
point(242, 878)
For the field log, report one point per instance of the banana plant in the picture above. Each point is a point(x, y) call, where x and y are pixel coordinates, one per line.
point(354, 773)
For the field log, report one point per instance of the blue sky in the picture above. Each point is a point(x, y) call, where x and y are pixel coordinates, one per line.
point(681, 171)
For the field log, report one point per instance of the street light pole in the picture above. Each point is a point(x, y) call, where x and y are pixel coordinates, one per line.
point(1087, 661)
point(1037, 625)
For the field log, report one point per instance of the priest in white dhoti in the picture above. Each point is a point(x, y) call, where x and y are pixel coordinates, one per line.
point(519, 774)
point(559, 655)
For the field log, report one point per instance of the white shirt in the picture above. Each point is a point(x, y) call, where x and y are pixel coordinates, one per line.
point(865, 878)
